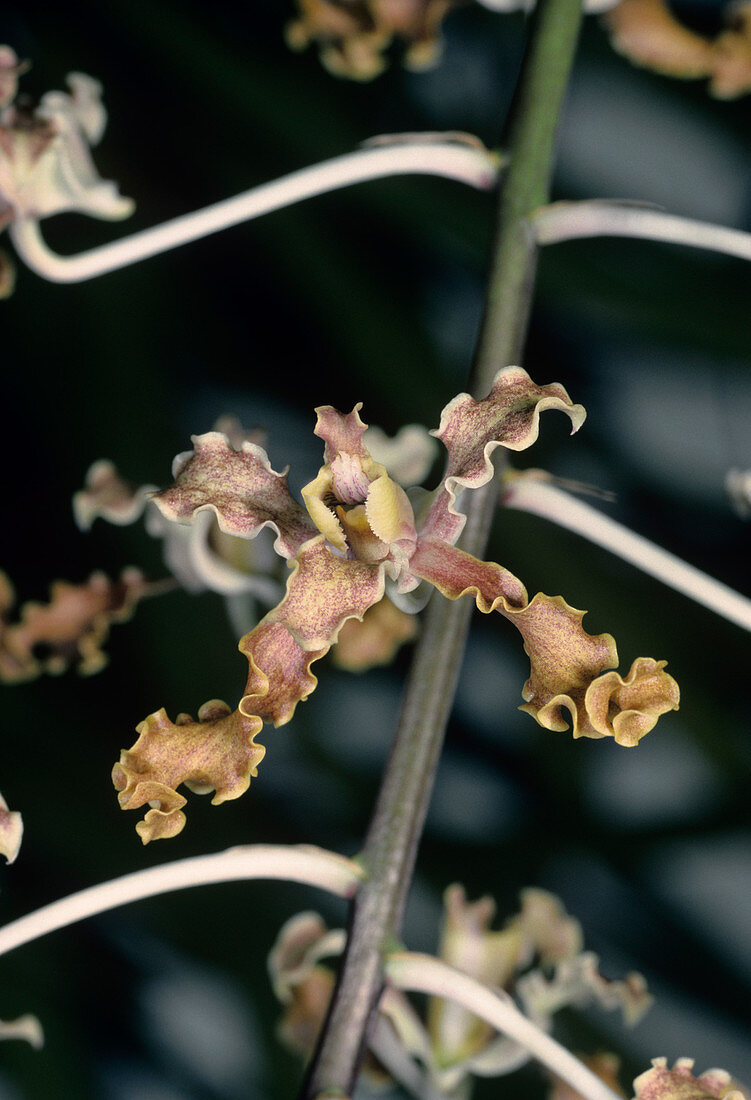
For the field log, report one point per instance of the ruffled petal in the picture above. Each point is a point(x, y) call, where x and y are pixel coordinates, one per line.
point(218, 752)
point(546, 929)
point(341, 432)
point(279, 675)
point(241, 489)
point(566, 686)
point(301, 944)
point(323, 592)
point(11, 831)
point(303, 987)
point(635, 703)
point(70, 629)
point(577, 982)
point(679, 1083)
point(108, 496)
point(471, 430)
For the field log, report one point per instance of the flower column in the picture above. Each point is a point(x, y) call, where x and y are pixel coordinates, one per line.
point(402, 803)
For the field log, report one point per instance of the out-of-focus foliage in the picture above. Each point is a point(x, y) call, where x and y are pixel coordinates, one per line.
point(375, 295)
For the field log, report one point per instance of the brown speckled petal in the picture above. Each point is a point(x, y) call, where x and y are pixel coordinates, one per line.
point(323, 592)
point(242, 490)
point(569, 685)
point(679, 1083)
point(218, 753)
point(471, 430)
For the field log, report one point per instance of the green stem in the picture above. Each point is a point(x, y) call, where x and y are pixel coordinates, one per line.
point(396, 826)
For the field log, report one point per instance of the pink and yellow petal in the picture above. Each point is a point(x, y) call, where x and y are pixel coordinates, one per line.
point(566, 687)
point(108, 495)
point(471, 430)
point(240, 487)
point(341, 432)
point(661, 1083)
point(468, 944)
point(279, 675)
point(218, 752)
point(323, 592)
point(649, 35)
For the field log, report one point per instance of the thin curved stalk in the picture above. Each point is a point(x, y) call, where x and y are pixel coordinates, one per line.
point(425, 974)
point(530, 494)
point(294, 863)
point(567, 221)
point(466, 163)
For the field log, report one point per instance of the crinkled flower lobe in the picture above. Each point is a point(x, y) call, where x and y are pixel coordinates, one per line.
point(218, 752)
point(70, 629)
point(679, 1083)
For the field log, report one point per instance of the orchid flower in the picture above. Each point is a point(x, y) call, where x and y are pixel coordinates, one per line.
point(358, 537)
point(45, 163)
point(202, 557)
point(453, 1043)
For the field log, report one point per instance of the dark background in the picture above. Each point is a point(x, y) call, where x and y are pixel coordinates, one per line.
point(374, 294)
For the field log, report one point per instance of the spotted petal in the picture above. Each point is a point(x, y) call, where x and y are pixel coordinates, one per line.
point(218, 753)
point(241, 489)
point(279, 675)
point(679, 1083)
point(568, 682)
point(323, 592)
point(471, 430)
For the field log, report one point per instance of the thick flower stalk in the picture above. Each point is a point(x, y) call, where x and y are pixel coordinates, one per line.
point(358, 536)
point(45, 159)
